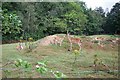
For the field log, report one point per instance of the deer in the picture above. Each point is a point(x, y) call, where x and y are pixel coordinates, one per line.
point(19, 47)
point(99, 39)
point(74, 41)
point(58, 40)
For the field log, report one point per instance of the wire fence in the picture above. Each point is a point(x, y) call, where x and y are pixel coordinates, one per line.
point(81, 71)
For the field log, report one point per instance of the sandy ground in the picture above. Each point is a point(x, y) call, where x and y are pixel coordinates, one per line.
point(47, 40)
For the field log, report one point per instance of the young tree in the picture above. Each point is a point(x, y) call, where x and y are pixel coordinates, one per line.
point(75, 17)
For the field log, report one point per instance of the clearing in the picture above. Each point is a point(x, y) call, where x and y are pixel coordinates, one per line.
point(60, 59)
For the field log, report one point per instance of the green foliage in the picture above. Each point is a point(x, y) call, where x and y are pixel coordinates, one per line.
point(43, 63)
point(113, 20)
point(22, 63)
point(58, 74)
point(95, 22)
point(41, 19)
point(75, 18)
point(41, 67)
point(38, 20)
point(11, 24)
point(41, 70)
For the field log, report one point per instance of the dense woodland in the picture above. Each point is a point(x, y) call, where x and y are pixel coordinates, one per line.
point(40, 19)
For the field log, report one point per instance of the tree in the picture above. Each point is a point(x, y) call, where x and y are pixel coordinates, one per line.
point(46, 18)
point(95, 22)
point(11, 25)
point(113, 20)
point(27, 15)
point(100, 11)
point(75, 18)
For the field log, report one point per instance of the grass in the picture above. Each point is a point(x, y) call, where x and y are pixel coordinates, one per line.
point(60, 59)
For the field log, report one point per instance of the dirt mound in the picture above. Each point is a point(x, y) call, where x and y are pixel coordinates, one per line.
point(47, 40)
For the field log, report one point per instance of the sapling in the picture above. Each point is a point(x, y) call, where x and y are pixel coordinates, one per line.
point(30, 45)
point(95, 62)
point(59, 75)
point(41, 67)
point(23, 65)
point(76, 54)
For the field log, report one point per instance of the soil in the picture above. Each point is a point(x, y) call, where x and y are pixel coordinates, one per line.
point(47, 40)
point(44, 41)
point(9, 41)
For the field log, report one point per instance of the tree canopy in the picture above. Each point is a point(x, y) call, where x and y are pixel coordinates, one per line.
point(39, 19)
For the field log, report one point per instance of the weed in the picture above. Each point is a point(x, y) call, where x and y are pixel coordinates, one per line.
point(30, 45)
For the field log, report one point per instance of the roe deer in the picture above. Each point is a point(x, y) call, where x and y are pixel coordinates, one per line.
point(74, 41)
point(58, 40)
point(19, 47)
